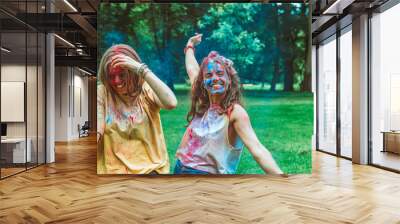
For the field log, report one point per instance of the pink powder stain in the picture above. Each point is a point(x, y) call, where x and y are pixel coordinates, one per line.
point(185, 158)
point(132, 118)
point(117, 49)
point(193, 144)
point(115, 70)
point(116, 113)
point(115, 75)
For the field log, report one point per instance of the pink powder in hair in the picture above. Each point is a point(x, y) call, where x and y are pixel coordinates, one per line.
point(117, 49)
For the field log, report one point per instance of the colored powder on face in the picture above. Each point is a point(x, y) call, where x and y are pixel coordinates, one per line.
point(209, 83)
point(221, 80)
point(214, 85)
point(115, 75)
point(210, 66)
point(116, 70)
point(220, 90)
point(219, 67)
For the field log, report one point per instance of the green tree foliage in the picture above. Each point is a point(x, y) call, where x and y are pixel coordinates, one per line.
point(268, 43)
point(233, 36)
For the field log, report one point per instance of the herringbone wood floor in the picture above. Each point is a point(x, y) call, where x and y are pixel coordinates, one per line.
point(69, 191)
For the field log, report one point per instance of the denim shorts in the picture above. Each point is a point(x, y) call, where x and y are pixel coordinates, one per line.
point(181, 169)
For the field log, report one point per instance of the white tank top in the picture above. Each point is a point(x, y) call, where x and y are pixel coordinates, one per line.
point(206, 147)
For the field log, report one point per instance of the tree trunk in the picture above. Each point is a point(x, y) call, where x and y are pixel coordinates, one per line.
point(306, 84)
point(168, 69)
point(275, 76)
point(288, 83)
point(154, 30)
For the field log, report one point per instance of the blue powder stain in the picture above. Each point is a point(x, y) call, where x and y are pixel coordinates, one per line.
point(208, 82)
point(210, 66)
point(108, 119)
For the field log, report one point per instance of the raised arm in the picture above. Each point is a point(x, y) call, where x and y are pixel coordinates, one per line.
point(243, 128)
point(192, 67)
point(164, 96)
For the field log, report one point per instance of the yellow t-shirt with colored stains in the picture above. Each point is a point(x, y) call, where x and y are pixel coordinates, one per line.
point(133, 140)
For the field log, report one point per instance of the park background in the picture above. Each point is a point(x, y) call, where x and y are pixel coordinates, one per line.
point(271, 50)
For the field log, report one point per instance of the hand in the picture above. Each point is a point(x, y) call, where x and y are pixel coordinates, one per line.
point(195, 40)
point(125, 62)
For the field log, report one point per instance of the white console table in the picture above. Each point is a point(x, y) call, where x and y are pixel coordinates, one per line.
point(18, 144)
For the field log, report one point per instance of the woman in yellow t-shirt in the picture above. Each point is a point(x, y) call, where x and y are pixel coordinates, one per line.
point(129, 98)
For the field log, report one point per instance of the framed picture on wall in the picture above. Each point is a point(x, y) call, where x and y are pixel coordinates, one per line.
point(204, 88)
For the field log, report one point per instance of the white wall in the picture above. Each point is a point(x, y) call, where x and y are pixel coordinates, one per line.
point(80, 110)
point(61, 103)
point(71, 94)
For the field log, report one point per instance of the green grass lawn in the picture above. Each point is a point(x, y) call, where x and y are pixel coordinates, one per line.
point(282, 121)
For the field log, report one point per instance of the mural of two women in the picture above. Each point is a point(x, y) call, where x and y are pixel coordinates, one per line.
point(130, 135)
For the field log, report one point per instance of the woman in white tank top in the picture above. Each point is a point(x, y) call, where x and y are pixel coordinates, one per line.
point(218, 125)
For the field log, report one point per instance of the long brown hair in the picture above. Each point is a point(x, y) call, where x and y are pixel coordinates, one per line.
point(134, 82)
point(200, 99)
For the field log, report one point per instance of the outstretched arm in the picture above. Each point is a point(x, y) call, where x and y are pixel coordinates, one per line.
point(243, 128)
point(192, 67)
point(164, 96)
